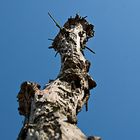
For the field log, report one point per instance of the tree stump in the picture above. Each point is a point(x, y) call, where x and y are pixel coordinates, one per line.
point(50, 113)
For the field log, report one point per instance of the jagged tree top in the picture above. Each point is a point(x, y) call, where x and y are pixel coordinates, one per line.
point(87, 27)
point(70, 24)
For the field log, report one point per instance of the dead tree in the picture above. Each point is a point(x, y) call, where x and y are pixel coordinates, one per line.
point(50, 113)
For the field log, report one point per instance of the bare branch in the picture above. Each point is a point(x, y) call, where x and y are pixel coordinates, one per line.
point(50, 39)
point(55, 21)
point(90, 49)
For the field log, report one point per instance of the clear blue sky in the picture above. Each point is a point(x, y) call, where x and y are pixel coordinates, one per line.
point(114, 106)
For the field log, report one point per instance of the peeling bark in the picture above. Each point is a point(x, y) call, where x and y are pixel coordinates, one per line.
point(50, 114)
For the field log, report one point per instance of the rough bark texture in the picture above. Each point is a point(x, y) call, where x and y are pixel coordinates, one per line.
point(50, 114)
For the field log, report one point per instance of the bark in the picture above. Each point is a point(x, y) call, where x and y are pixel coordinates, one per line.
point(50, 113)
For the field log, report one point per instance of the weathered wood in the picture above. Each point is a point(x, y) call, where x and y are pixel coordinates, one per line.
point(50, 114)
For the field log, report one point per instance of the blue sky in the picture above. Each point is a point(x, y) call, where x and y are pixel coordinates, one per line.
point(114, 106)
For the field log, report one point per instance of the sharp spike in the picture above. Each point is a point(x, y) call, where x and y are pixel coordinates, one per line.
point(90, 50)
point(55, 21)
point(50, 39)
point(85, 17)
point(56, 54)
point(50, 47)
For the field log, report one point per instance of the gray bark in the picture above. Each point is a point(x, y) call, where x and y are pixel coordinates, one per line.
point(50, 114)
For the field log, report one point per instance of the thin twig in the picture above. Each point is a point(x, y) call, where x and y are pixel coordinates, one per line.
point(85, 17)
point(90, 50)
point(50, 47)
point(50, 39)
point(56, 54)
point(86, 105)
point(55, 21)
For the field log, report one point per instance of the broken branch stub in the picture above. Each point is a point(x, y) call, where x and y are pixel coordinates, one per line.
point(50, 114)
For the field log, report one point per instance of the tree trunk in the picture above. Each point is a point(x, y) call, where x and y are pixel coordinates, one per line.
point(50, 114)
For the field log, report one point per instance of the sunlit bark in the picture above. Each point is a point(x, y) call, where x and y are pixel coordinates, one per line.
point(50, 114)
